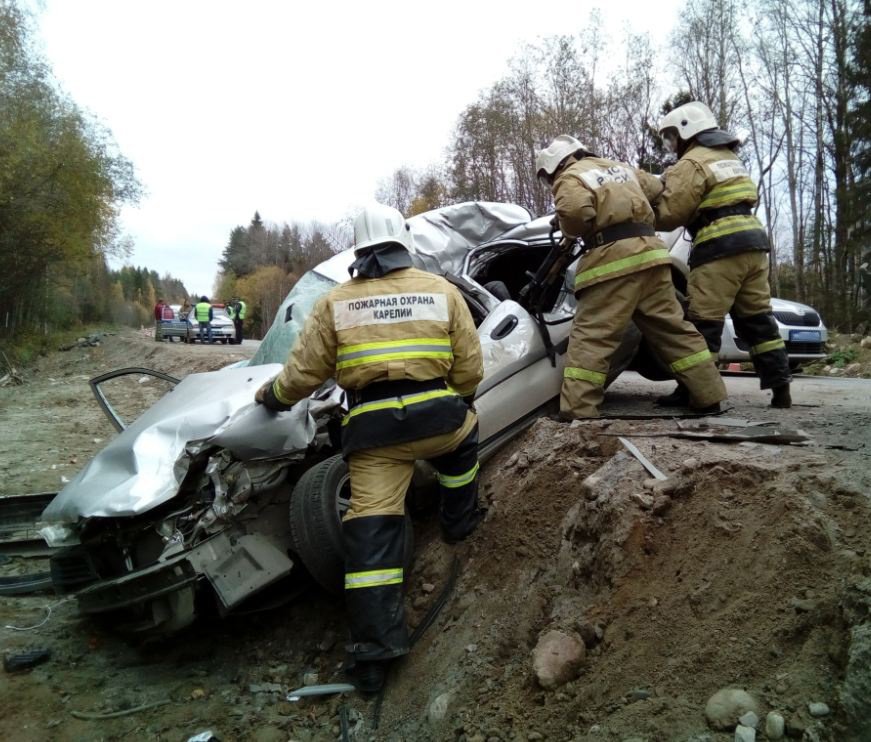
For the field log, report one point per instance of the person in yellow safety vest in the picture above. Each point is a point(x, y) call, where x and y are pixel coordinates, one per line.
point(623, 275)
point(402, 344)
point(710, 192)
point(204, 313)
point(236, 311)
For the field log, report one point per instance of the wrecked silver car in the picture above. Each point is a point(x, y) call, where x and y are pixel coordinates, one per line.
point(207, 497)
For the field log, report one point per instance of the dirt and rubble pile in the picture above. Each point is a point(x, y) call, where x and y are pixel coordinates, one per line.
point(747, 567)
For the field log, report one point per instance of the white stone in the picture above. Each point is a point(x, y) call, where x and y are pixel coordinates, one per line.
point(774, 725)
point(690, 463)
point(438, 709)
point(865, 342)
point(645, 502)
point(745, 734)
point(557, 658)
point(749, 720)
point(724, 708)
point(589, 486)
point(818, 709)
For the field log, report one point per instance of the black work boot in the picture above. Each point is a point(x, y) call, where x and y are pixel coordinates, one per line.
point(369, 675)
point(680, 397)
point(472, 522)
point(781, 397)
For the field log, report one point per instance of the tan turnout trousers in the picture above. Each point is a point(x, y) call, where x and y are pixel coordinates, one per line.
point(380, 477)
point(737, 284)
point(604, 310)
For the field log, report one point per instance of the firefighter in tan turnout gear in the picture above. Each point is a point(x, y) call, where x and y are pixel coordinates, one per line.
point(402, 344)
point(710, 192)
point(624, 275)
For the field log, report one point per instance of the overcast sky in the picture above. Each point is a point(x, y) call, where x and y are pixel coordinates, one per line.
point(295, 109)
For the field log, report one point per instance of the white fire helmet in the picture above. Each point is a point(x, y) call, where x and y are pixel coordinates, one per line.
point(548, 160)
point(377, 225)
point(688, 120)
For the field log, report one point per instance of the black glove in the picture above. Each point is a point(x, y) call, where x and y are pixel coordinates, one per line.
point(265, 395)
point(470, 400)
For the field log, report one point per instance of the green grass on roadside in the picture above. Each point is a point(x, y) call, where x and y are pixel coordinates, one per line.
point(844, 352)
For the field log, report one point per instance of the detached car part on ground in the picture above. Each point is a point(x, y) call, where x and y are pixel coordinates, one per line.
point(209, 496)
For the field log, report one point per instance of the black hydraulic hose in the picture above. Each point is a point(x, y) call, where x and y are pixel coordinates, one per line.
point(344, 723)
point(436, 607)
point(419, 631)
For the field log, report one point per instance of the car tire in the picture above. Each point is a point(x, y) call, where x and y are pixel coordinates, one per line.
point(319, 499)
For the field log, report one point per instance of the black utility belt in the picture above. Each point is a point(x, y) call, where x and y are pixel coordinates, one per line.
point(386, 389)
point(709, 216)
point(622, 232)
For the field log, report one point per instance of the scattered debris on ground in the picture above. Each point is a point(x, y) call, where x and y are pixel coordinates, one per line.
point(12, 376)
point(91, 341)
point(727, 597)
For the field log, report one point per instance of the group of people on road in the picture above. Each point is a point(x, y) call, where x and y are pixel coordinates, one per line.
point(202, 313)
point(411, 377)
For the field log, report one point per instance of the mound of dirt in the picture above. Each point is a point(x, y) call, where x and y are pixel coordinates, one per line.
point(734, 572)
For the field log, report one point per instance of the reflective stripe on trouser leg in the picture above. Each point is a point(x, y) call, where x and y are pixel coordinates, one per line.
point(458, 487)
point(374, 586)
point(767, 349)
point(581, 393)
point(603, 312)
point(675, 341)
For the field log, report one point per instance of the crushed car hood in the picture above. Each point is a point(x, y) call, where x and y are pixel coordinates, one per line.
point(145, 464)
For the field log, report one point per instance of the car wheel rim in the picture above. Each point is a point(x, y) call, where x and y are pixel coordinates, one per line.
point(343, 495)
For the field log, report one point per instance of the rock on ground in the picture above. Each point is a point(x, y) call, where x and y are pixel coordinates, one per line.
point(727, 705)
point(557, 658)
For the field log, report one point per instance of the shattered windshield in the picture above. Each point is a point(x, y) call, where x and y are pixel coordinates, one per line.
point(290, 318)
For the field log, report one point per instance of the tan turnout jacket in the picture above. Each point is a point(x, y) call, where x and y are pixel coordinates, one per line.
point(704, 180)
point(408, 324)
point(594, 193)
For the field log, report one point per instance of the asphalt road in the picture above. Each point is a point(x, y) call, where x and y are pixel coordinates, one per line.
point(833, 392)
point(834, 411)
